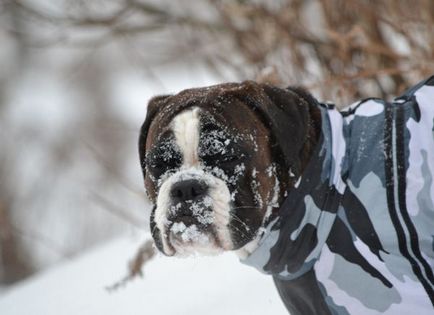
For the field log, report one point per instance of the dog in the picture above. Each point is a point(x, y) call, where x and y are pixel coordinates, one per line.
point(338, 206)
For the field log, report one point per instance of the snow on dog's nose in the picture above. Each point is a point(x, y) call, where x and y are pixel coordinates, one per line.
point(191, 214)
point(190, 204)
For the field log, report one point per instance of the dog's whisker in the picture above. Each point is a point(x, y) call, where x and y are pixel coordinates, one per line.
point(239, 220)
point(236, 218)
point(242, 233)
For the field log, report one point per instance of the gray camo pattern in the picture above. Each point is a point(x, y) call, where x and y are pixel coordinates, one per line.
point(361, 217)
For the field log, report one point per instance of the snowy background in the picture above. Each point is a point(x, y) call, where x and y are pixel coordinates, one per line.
point(201, 285)
point(75, 78)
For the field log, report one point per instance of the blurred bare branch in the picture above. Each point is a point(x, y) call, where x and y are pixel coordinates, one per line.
point(43, 240)
point(119, 212)
point(113, 171)
point(362, 49)
point(135, 267)
point(13, 263)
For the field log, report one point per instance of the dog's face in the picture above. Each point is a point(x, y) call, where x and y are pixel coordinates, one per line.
point(213, 169)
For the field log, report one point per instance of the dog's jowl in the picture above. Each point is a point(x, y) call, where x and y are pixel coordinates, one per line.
point(338, 206)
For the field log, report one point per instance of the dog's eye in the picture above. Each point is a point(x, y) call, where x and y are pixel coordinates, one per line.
point(218, 159)
point(160, 166)
point(230, 159)
point(163, 159)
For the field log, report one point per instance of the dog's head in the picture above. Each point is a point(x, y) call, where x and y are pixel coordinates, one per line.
point(218, 160)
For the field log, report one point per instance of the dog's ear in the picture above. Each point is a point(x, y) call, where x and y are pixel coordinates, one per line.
point(289, 123)
point(286, 112)
point(154, 105)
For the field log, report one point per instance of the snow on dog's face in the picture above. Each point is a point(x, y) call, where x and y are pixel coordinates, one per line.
point(213, 185)
point(210, 171)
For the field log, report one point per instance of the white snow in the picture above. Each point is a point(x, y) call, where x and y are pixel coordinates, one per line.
point(194, 285)
point(178, 227)
point(189, 233)
point(193, 234)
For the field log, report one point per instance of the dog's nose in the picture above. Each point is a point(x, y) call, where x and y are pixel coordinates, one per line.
point(191, 189)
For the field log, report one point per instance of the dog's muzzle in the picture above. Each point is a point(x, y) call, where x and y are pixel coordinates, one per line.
point(190, 213)
point(193, 213)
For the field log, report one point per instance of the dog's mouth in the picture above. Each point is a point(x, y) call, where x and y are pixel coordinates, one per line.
point(193, 214)
point(190, 229)
point(185, 238)
point(188, 236)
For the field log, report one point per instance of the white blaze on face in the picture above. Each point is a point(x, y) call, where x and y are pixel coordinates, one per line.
point(186, 129)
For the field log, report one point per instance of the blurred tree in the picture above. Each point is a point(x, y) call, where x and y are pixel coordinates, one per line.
point(14, 260)
point(340, 49)
point(59, 162)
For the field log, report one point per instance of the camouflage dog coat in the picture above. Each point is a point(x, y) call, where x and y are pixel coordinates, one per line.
point(355, 235)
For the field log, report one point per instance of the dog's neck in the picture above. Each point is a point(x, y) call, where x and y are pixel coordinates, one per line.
point(314, 124)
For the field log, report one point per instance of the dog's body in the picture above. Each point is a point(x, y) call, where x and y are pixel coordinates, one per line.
point(338, 207)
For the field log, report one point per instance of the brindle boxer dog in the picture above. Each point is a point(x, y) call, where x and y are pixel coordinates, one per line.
point(337, 206)
point(218, 161)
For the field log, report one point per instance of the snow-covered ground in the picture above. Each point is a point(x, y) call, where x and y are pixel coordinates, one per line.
point(197, 285)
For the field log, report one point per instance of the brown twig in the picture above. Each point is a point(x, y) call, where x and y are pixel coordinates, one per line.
point(135, 267)
point(117, 211)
